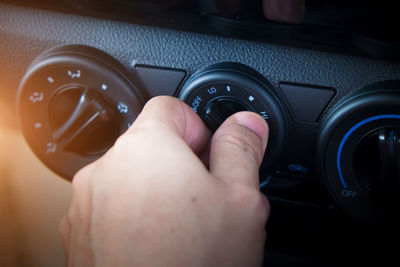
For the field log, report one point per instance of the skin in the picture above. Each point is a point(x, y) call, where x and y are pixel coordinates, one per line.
point(168, 193)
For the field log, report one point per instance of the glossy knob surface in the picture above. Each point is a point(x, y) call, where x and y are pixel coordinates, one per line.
point(218, 110)
point(359, 152)
point(377, 164)
point(223, 89)
point(87, 125)
point(73, 103)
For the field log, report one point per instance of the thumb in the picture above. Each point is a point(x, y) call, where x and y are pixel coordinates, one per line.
point(238, 147)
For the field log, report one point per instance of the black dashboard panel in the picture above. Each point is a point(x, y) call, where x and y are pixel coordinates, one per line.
point(307, 226)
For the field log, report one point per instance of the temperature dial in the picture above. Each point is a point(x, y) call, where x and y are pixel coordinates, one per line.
point(87, 125)
point(221, 108)
point(73, 103)
point(360, 153)
point(223, 89)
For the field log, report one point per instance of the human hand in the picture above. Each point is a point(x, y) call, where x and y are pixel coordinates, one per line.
point(151, 201)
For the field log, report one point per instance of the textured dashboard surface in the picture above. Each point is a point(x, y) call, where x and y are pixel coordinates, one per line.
point(25, 33)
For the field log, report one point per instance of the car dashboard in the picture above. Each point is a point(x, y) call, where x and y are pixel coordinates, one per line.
point(327, 84)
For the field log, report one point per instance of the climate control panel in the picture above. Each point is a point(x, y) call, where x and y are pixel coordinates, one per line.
point(74, 102)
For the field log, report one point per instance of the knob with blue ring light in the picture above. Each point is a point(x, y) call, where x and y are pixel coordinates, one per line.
point(357, 144)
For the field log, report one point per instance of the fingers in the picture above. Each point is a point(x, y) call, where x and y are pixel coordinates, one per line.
point(169, 113)
point(238, 147)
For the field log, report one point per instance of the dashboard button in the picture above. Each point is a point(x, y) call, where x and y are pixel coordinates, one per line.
point(307, 102)
point(160, 81)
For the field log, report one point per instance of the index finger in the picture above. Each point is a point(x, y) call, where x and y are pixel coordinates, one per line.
point(172, 114)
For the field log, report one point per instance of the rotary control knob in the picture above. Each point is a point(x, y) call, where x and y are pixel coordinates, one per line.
point(83, 121)
point(73, 103)
point(377, 164)
point(223, 89)
point(217, 110)
point(359, 146)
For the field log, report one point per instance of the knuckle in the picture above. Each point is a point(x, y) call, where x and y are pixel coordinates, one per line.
point(80, 178)
point(160, 112)
point(82, 197)
point(243, 195)
point(149, 125)
point(155, 100)
point(64, 227)
point(81, 185)
point(64, 231)
point(161, 100)
point(146, 128)
point(124, 139)
point(250, 201)
point(121, 140)
point(165, 105)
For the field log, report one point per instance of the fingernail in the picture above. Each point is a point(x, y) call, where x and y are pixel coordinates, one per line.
point(255, 123)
